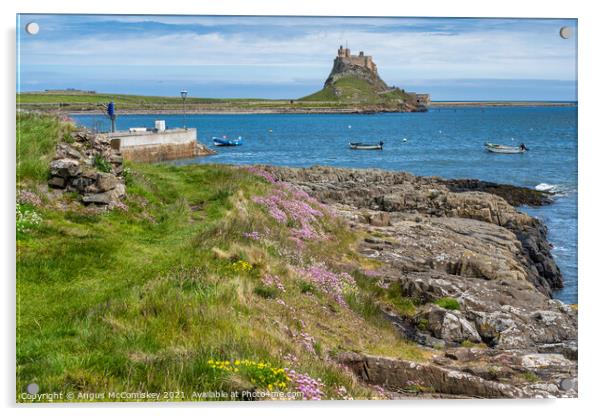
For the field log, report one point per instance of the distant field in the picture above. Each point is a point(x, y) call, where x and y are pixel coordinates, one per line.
point(88, 102)
point(81, 97)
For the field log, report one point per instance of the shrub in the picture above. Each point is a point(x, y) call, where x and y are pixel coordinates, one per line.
point(259, 373)
point(102, 164)
point(128, 177)
point(306, 287)
point(450, 304)
point(267, 292)
point(530, 377)
point(241, 266)
point(27, 219)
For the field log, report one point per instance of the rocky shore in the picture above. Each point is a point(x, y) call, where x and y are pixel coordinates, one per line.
point(463, 240)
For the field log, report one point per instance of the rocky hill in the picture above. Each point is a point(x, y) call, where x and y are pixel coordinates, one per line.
point(355, 79)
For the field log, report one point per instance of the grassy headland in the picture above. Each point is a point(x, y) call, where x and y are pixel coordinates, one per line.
point(208, 278)
point(353, 89)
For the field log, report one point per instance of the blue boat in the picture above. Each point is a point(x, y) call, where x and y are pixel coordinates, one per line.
point(227, 142)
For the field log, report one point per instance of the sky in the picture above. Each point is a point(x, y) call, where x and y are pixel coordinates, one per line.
point(290, 57)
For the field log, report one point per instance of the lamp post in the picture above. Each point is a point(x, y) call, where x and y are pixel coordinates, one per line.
point(184, 93)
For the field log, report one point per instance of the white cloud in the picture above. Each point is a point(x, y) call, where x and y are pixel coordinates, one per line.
point(478, 53)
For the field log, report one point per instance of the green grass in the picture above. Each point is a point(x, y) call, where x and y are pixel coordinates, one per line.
point(530, 377)
point(79, 101)
point(448, 303)
point(119, 99)
point(324, 99)
point(37, 136)
point(141, 299)
point(356, 90)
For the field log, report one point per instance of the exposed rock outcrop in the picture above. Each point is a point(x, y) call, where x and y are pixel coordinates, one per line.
point(434, 198)
point(345, 68)
point(471, 372)
point(462, 240)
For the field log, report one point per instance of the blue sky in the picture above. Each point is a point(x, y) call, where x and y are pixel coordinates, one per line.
point(289, 57)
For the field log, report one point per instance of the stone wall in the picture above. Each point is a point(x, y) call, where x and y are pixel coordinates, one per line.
point(420, 100)
point(86, 164)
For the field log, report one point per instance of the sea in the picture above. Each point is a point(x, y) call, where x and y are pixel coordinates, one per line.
point(445, 141)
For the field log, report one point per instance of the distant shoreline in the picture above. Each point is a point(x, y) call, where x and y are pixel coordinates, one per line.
point(503, 104)
point(239, 111)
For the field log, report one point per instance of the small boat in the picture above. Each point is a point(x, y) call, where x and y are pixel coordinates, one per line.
point(366, 146)
point(500, 148)
point(227, 142)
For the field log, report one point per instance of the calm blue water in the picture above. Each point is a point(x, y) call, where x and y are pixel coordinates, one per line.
point(445, 142)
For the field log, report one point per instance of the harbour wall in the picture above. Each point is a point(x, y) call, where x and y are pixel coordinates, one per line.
point(157, 146)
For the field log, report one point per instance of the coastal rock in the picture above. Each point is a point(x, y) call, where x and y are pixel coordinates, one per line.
point(431, 197)
point(463, 240)
point(447, 325)
point(473, 373)
point(506, 314)
point(379, 219)
point(514, 195)
point(64, 168)
point(202, 150)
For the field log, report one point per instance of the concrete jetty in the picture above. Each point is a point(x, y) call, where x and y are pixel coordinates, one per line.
point(154, 145)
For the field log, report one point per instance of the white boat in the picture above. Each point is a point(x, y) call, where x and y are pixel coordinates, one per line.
point(366, 146)
point(500, 148)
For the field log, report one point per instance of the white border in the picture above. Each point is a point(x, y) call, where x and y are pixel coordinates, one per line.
point(589, 195)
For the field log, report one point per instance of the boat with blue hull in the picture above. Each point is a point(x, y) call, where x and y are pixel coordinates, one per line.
point(224, 141)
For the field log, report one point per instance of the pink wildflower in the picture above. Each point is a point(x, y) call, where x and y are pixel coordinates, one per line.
point(310, 388)
point(341, 391)
point(291, 358)
point(260, 172)
point(118, 205)
point(28, 197)
point(307, 342)
point(269, 280)
point(253, 235)
point(331, 283)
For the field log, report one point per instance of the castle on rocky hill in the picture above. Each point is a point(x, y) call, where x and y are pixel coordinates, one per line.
point(344, 54)
point(355, 78)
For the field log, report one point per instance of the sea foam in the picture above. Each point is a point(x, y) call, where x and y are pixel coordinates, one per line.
point(546, 187)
